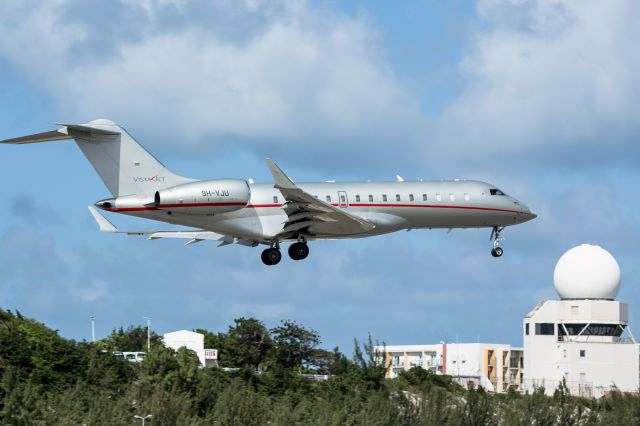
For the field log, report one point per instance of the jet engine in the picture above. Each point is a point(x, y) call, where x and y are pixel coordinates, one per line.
point(204, 197)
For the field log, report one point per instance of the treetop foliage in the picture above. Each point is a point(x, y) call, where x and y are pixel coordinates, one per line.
point(46, 379)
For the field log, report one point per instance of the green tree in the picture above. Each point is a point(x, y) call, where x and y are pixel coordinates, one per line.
point(294, 345)
point(247, 344)
point(133, 339)
point(371, 365)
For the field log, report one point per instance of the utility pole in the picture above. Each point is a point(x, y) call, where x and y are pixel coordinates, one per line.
point(143, 418)
point(93, 328)
point(148, 337)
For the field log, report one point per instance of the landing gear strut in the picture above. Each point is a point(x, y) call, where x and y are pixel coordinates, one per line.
point(496, 251)
point(271, 256)
point(299, 250)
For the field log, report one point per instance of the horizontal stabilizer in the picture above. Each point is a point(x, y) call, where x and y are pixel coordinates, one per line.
point(103, 223)
point(88, 129)
point(194, 236)
point(54, 135)
point(66, 132)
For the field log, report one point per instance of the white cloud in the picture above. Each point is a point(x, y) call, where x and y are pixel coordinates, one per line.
point(302, 76)
point(552, 78)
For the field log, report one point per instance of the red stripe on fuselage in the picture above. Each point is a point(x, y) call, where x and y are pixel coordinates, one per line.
point(261, 206)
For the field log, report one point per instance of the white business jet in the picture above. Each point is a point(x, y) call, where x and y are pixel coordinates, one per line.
point(236, 211)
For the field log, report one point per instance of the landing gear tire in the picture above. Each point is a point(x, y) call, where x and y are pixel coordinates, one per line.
point(298, 251)
point(497, 238)
point(271, 256)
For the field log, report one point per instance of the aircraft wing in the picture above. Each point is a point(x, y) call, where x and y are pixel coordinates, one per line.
point(311, 216)
point(194, 236)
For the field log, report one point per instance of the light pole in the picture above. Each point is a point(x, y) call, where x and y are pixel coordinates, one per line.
point(93, 328)
point(142, 418)
point(148, 334)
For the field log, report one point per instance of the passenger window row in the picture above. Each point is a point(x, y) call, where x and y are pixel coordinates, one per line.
point(452, 197)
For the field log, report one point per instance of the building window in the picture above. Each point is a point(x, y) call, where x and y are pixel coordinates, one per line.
point(583, 353)
point(357, 198)
point(545, 328)
point(410, 197)
point(328, 198)
point(370, 198)
point(397, 197)
point(526, 329)
point(384, 197)
point(424, 197)
point(275, 199)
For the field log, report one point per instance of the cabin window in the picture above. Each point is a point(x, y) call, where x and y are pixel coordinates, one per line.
point(384, 197)
point(466, 196)
point(328, 198)
point(275, 199)
point(370, 198)
point(583, 353)
point(452, 197)
point(397, 197)
point(357, 198)
point(343, 199)
point(424, 197)
point(410, 197)
point(438, 197)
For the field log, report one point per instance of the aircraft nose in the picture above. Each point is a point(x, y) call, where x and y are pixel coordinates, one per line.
point(530, 213)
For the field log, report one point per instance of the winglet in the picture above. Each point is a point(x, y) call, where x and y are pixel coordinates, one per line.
point(103, 223)
point(282, 180)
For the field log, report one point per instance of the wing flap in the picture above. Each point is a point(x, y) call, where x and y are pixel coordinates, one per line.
point(306, 213)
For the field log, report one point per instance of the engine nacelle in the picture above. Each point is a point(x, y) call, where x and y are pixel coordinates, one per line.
point(205, 197)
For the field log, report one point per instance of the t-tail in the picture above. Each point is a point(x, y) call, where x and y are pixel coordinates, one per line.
point(124, 166)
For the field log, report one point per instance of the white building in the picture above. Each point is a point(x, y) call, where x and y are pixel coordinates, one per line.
point(195, 342)
point(496, 367)
point(584, 338)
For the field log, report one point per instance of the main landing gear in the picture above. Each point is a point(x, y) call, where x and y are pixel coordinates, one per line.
point(271, 256)
point(496, 251)
point(297, 251)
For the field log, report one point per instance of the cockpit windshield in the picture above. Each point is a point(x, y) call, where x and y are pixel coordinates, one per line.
point(495, 191)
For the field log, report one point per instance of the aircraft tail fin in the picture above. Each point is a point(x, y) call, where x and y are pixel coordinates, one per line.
point(124, 165)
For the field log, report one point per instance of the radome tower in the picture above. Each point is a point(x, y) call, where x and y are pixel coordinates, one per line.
point(583, 338)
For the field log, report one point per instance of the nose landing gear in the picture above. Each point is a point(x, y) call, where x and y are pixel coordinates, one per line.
point(496, 251)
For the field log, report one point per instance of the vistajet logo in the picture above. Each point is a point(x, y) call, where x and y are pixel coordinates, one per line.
point(155, 178)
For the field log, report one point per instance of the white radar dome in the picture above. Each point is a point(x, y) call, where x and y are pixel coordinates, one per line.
point(587, 272)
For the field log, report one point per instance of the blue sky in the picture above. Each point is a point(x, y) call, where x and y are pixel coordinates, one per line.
point(538, 97)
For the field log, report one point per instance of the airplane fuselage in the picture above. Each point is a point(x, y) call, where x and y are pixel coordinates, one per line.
point(391, 206)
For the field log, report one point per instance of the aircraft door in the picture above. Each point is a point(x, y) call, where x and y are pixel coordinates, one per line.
point(343, 201)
